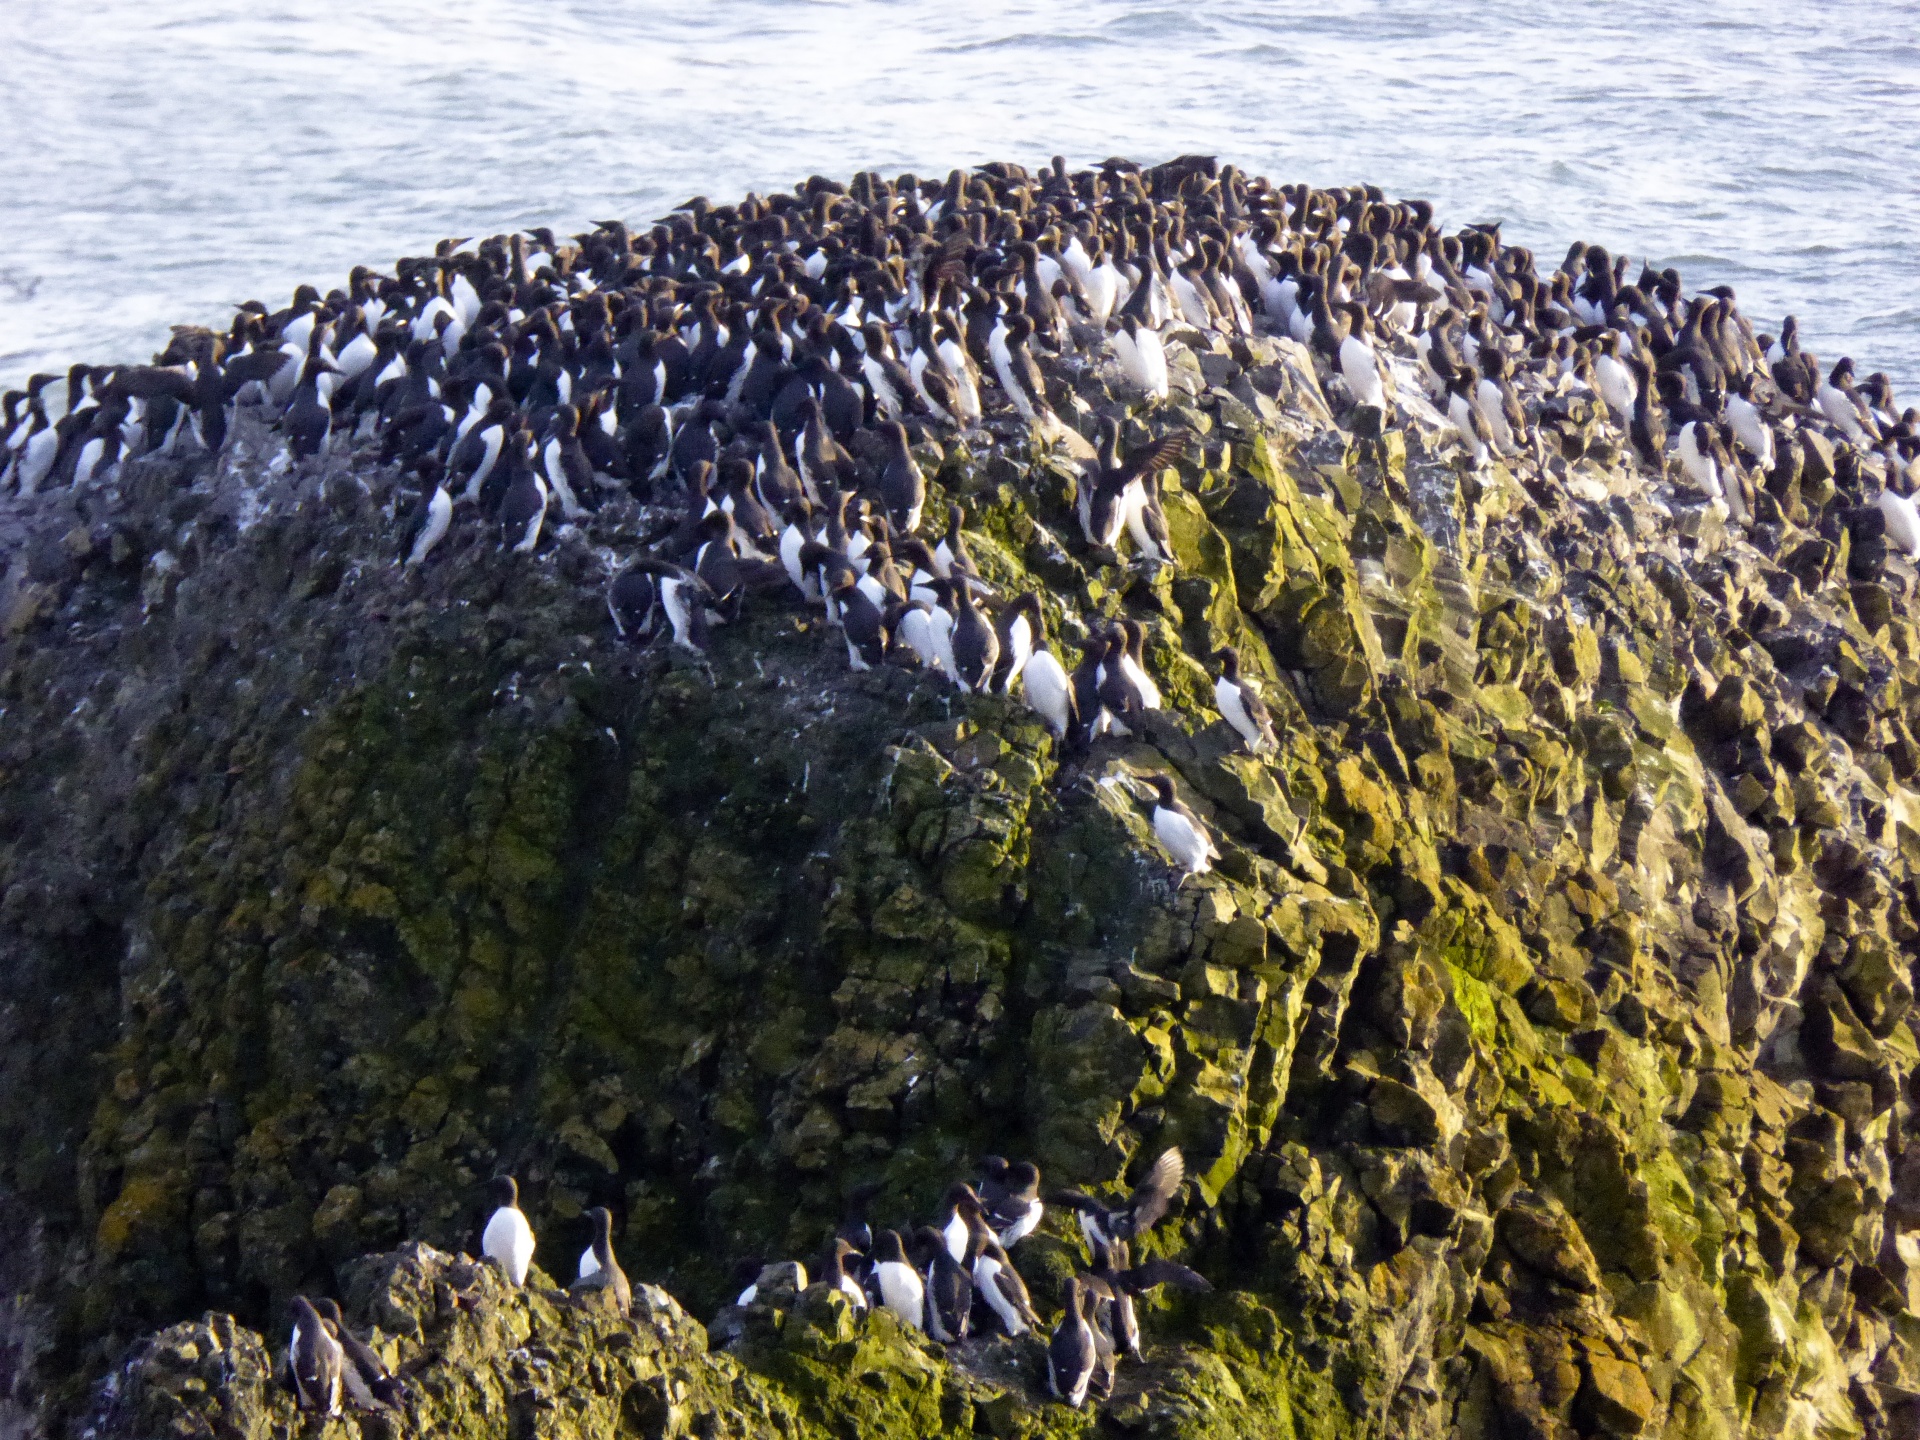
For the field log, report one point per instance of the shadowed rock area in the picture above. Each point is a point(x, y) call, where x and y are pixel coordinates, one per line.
point(1539, 1047)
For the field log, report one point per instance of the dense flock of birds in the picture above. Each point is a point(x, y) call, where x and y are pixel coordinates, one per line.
point(772, 366)
point(948, 1279)
point(765, 373)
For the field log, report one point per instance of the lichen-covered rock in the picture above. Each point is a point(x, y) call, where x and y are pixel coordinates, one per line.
point(1542, 1045)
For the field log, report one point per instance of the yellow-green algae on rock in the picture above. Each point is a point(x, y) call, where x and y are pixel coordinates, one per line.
point(1540, 1047)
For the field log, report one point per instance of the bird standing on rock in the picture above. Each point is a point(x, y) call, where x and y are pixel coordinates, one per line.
point(1070, 1353)
point(902, 485)
point(508, 1238)
point(599, 1270)
point(1010, 1198)
point(1240, 704)
point(431, 514)
point(998, 1283)
point(365, 1379)
point(976, 647)
point(949, 1289)
point(1113, 1267)
point(899, 1285)
point(1183, 833)
point(685, 598)
point(315, 1359)
point(833, 1272)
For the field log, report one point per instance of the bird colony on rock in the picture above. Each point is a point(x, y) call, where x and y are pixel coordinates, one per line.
point(950, 1279)
point(770, 379)
point(771, 373)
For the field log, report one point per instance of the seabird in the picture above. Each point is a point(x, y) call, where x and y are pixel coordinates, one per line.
point(429, 517)
point(833, 1272)
point(1240, 704)
point(1010, 1198)
point(898, 1284)
point(368, 1384)
point(976, 648)
point(902, 487)
point(1140, 1212)
point(949, 1289)
point(606, 1273)
point(998, 1283)
point(1070, 1353)
point(686, 599)
point(315, 1359)
point(508, 1238)
point(1113, 1267)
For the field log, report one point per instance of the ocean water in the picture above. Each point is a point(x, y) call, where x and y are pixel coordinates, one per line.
point(166, 159)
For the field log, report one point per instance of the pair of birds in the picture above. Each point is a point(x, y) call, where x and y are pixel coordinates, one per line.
point(508, 1241)
point(1116, 497)
point(327, 1362)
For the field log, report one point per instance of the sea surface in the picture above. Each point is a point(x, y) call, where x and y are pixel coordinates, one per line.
point(163, 160)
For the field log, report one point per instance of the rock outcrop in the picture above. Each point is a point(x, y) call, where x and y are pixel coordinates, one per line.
point(1539, 1047)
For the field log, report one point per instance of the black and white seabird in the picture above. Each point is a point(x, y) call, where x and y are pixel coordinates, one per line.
point(833, 1272)
point(1184, 833)
point(564, 463)
point(1010, 1198)
point(1140, 1212)
point(1142, 358)
point(1132, 659)
point(365, 1379)
point(1147, 520)
point(903, 488)
point(1112, 491)
point(1070, 1353)
point(1240, 704)
point(926, 631)
point(952, 550)
point(309, 419)
point(998, 1283)
point(954, 1228)
point(685, 598)
point(949, 1288)
point(1122, 698)
point(315, 1360)
point(976, 647)
point(1113, 1266)
point(428, 518)
point(1360, 363)
point(605, 1273)
point(1089, 708)
point(862, 623)
point(508, 1238)
point(522, 496)
point(897, 1283)
point(630, 600)
point(1019, 625)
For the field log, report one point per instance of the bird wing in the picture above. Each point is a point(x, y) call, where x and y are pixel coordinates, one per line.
point(1156, 457)
point(1165, 1272)
point(1007, 1280)
point(359, 1393)
point(1156, 1192)
point(951, 263)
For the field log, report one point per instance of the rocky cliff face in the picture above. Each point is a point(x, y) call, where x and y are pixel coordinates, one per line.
point(1540, 1047)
